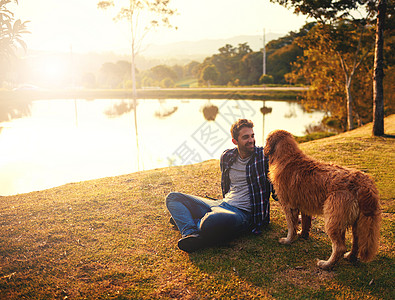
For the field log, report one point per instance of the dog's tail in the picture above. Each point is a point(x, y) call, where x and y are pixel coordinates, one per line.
point(368, 226)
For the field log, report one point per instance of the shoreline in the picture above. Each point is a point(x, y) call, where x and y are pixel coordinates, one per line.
point(253, 93)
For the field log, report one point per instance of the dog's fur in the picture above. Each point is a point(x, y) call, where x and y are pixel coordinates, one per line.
point(346, 198)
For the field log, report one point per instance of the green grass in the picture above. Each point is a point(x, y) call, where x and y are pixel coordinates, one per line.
point(110, 239)
point(313, 136)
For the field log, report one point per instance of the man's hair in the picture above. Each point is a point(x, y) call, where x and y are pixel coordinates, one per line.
point(238, 125)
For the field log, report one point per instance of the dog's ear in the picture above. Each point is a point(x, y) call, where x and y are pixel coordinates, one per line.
point(271, 142)
point(268, 149)
point(274, 139)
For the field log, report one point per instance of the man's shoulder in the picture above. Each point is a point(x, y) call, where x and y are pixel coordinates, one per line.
point(228, 154)
point(231, 151)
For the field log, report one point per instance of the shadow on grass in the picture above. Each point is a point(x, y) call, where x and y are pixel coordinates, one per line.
point(290, 271)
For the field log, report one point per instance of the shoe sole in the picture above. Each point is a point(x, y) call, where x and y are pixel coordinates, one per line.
point(190, 244)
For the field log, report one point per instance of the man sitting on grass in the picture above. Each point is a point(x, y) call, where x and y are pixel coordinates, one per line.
point(245, 204)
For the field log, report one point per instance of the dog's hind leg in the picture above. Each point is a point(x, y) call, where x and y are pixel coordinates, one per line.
point(306, 225)
point(291, 216)
point(336, 221)
point(338, 250)
point(353, 254)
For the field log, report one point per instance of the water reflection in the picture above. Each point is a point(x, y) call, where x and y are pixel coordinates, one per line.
point(125, 107)
point(264, 111)
point(210, 111)
point(42, 147)
point(164, 111)
point(291, 111)
point(14, 109)
point(120, 109)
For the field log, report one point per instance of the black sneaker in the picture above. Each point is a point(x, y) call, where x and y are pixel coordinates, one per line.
point(191, 243)
point(172, 222)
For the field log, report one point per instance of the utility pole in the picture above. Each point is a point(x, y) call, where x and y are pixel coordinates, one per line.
point(264, 53)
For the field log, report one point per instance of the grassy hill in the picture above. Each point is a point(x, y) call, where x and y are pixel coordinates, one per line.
point(110, 239)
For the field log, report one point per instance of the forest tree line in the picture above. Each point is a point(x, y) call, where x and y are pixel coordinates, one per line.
point(231, 66)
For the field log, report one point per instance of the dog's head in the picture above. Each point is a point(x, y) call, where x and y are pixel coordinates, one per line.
point(277, 142)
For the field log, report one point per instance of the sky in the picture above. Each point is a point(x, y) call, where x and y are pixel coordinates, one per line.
point(58, 25)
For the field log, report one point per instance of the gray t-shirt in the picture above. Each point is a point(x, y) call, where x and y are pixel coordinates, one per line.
point(238, 194)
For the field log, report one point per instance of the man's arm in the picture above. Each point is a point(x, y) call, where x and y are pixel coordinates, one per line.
point(221, 162)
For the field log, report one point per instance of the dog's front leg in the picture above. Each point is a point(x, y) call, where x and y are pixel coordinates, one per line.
point(291, 216)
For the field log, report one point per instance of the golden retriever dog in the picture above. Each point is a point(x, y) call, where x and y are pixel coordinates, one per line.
point(345, 197)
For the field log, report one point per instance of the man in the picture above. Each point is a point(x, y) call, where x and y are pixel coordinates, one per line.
point(245, 190)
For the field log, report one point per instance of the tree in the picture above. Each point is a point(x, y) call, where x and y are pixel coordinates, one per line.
point(330, 68)
point(351, 45)
point(319, 69)
point(327, 11)
point(241, 65)
point(378, 75)
point(250, 68)
point(114, 75)
point(279, 62)
point(338, 15)
point(161, 72)
point(243, 49)
point(11, 32)
point(143, 16)
point(229, 64)
point(191, 69)
point(266, 79)
point(167, 82)
point(282, 52)
point(227, 50)
point(209, 74)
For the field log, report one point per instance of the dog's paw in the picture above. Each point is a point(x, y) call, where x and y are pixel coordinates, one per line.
point(324, 264)
point(303, 235)
point(350, 257)
point(285, 241)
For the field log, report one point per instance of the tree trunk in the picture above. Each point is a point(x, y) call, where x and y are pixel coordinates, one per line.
point(378, 75)
point(350, 121)
point(347, 86)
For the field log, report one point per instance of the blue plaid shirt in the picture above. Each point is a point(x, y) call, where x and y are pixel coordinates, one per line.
point(258, 184)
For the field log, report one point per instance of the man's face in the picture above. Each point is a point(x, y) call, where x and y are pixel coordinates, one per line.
point(245, 142)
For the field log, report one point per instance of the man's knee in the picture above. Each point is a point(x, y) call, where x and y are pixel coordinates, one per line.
point(171, 197)
point(218, 224)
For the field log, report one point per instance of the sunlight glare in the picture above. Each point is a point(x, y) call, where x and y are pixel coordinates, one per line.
point(54, 69)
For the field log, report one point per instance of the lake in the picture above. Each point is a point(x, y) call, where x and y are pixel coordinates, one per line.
point(47, 143)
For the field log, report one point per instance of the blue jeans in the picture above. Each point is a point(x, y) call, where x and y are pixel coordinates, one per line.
point(210, 218)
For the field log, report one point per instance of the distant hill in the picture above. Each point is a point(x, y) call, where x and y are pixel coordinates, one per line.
point(181, 53)
point(198, 50)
